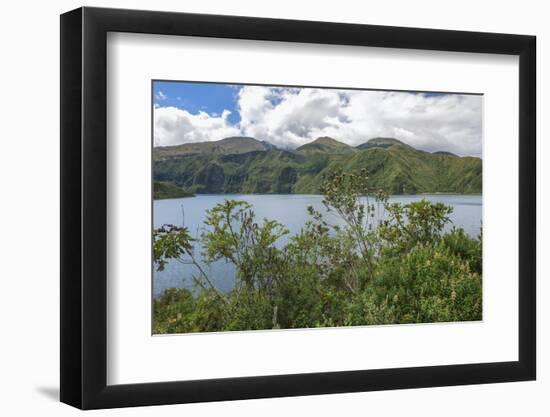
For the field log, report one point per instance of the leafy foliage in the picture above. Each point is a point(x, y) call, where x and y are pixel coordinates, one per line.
point(362, 270)
point(171, 242)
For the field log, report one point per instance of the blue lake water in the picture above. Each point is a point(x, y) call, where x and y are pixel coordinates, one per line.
point(288, 209)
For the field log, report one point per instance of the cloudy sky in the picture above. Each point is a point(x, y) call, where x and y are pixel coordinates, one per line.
point(289, 117)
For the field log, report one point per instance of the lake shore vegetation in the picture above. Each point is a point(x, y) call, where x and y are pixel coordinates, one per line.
point(163, 190)
point(408, 266)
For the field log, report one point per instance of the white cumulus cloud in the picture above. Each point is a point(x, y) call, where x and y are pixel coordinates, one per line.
point(290, 117)
point(174, 126)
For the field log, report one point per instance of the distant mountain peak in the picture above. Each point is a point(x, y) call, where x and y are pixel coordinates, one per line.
point(444, 153)
point(236, 138)
point(327, 140)
point(380, 142)
point(326, 144)
point(226, 146)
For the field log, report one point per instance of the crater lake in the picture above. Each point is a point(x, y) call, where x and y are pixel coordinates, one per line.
point(288, 209)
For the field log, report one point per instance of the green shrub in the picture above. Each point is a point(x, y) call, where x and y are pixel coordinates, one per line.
point(404, 269)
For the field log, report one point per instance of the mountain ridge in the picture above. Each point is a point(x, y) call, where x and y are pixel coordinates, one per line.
point(392, 165)
point(380, 142)
point(229, 145)
point(325, 144)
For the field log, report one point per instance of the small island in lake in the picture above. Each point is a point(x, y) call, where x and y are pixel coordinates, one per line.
point(163, 190)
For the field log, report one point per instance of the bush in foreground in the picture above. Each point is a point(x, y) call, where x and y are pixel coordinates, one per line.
point(364, 270)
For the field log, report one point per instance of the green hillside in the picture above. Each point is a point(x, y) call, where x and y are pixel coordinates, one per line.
point(162, 190)
point(380, 143)
point(396, 168)
point(326, 145)
point(232, 145)
point(444, 153)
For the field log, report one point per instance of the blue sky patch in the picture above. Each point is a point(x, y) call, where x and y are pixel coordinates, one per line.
point(195, 97)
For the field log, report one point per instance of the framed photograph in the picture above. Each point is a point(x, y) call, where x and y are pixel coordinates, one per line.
point(258, 208)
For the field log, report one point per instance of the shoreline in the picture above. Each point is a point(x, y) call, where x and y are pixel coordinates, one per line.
point(439, 193)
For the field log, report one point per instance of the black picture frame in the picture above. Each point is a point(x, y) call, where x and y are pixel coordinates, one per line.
point(84, 207)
